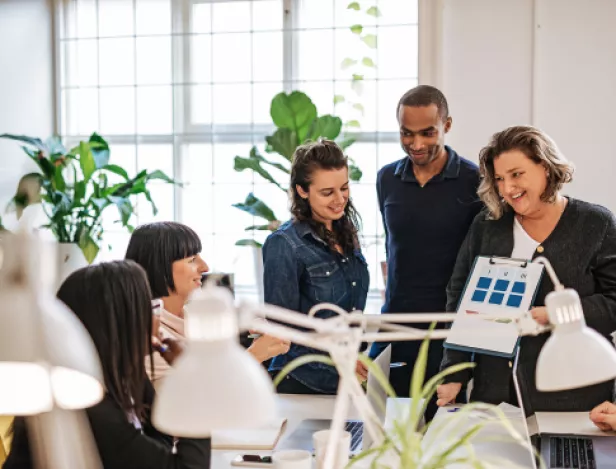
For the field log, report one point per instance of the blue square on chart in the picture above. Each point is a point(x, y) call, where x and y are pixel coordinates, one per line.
point(519, 287)
point(501, 285)
point(496, 298)
point(514, 301)
point(484, 282)
point(479, 296)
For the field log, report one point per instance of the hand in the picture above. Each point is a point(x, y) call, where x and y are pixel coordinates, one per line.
point(540, 314)
point(604, 416)
point(361, 371)
point(446, 393)
point(267, 346)
point(170, 349)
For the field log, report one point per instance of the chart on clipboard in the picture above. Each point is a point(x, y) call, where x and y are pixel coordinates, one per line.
point(502, 288)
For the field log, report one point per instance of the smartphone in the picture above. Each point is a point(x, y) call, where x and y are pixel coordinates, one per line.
point(252, 460)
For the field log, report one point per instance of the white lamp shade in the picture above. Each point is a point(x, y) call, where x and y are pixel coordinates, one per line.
point(25, 388)
point(213, 385)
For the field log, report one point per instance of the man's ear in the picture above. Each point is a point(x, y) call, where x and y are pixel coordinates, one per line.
point(448, 124)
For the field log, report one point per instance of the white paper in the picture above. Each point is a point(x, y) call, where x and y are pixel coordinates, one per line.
point(560, 423)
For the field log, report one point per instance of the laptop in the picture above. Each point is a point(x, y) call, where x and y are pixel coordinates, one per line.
point(301, 438)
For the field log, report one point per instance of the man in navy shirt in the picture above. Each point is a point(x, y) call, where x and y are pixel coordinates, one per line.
point(427, 200)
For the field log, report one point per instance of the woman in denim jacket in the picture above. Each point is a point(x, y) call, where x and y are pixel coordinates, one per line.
point(315, 257)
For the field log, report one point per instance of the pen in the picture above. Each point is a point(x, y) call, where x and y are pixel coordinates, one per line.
point(397, 364)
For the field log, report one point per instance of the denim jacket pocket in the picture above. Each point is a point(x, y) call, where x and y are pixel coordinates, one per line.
point(326, 282)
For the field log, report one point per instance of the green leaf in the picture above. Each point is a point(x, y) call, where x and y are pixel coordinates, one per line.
point(357, 29)
point(113, 168)
point(241, 164)
point(346, 63)
point(326, 126)
point(370, 40)
point(248, 242)
point(368, 62)
point(353, 123)
point(61, 203)
point(54, 145)
point(284, 142)
point(79, 194)
point(100, 150)
point(58, 179)
point(294, 111)
point(353, 6)
point(254, 153)
point(158, 174)
point(124, 207)
point(359, 107)
point(339, 99)
point(355, 173)
point(86, 161)
point(357, 77)
point(256, 208)
point(373, 11)
point(35, 142)
point(100, 204)
point(148, 196)
point(88, 246)
point(346, 143)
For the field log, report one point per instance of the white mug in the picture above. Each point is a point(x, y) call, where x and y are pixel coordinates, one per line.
point(320, 440)
point(292, 459)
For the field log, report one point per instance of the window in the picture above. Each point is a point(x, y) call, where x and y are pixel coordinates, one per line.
point(185, 86)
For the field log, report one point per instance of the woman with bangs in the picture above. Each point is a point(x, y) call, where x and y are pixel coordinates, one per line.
point(170, 254)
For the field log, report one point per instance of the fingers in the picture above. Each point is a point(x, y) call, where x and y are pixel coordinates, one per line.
point(447, 393)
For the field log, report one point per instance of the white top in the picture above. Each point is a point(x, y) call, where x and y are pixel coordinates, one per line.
point(524, 246)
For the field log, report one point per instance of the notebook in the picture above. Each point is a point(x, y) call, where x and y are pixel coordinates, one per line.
point(264, 437)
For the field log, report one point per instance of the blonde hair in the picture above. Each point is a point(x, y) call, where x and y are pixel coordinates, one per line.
point(537, 146)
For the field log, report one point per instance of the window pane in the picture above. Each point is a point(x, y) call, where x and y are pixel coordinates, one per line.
point(365, 157)
point(117, 61)
point(275, 199)
point(229, 258)
point(267, 56)
point(231, 16)
point(197, 207)
point(348, 17)
point(232, 61)
point(81, 111)
point(228, 219)
point(201, 59)
point(398, 50)
point(267, 15)
point(390, 92)
point(153, 17)
point(231, 103)
point(156, 156)
point(162, 195)
point(201, 104)
point(389, 152)
point(365, 201)
point(316, 55)
point(117, 111)
point(154, 110)
point(350, 46)
point(115, 18)
point(321, 93)
point(81, 63)
point(358, 95)
point(262, 95)
point(114, 244)
point(398, 12)
point(197, 165)
point(316, 14)
point(153, 60)
point(85, 23)
point(224, 155)
point(202, 18)
point(124, 156)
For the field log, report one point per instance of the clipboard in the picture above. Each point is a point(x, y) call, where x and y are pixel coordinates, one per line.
point(496, 286)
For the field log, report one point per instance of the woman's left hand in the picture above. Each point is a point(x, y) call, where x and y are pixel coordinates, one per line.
point(170, 349)
point(540, 314)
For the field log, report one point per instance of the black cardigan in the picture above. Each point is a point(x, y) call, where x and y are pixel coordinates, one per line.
point(120, 444)
point(582, 250)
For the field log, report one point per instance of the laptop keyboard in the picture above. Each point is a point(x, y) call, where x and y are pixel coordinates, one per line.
point(356, 429)
point(572, 452)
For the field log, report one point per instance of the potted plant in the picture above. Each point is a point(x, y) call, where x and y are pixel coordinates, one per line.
point(74, 187)
point(451, 440)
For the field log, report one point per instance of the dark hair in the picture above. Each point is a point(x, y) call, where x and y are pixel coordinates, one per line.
point(308, 158)
point(156, 246)
point(424, 95)
point(537, 146)
point(113, 301)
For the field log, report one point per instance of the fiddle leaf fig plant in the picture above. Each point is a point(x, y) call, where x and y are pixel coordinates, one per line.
point(297, 121)
point(78, 185)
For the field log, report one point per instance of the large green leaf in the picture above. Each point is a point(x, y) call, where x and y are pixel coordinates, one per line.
point(124, 206)
point(158, 174)
point(284, 142)
point(55, 146)
point(100, 150)
point(61, 203)
point(88, 247)
point(254, 153)
point(248, 242)
point(86, 161)
point(35, 142)
point(113, 168)
point(294, 111)
point(241, 164)
point(355, 173)
point(326, 126)
point(256, 207)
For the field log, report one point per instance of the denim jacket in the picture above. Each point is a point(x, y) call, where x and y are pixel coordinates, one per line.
point(300, 271)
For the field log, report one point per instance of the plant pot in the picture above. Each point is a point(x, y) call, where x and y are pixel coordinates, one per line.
point(70, 258)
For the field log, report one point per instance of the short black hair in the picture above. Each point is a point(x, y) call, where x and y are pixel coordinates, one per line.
point(113, 301)
point(156, 246)
point(424, 95)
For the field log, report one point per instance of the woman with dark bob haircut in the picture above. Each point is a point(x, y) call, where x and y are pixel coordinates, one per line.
point(113, 302)
point(315, 257)
point(170, 254)
point(527, 216)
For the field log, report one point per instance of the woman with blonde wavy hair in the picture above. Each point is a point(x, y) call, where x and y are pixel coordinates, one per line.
point(526, 216)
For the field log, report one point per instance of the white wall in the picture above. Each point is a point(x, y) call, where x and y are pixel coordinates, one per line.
point(549, 63)
point(26, 84)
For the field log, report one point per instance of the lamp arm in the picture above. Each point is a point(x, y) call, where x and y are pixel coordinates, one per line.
point(548, 266)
